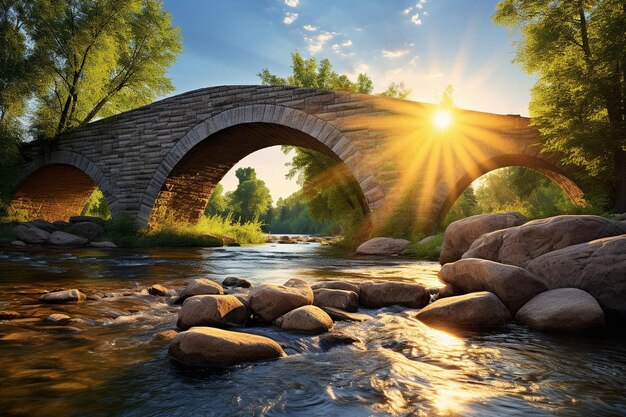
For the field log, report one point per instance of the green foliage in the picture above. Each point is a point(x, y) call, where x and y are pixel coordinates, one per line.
point(398, 90)
point(251, 198)
point(218, 203)
point(466, 205)
point(577, 49)
point(426, 251)
point(122, 231)
point(292, 215)
point(96, 206)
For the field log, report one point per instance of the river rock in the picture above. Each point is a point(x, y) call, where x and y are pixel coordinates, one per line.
point(271, 301)
point(207, 346)
point(168, 335)
point(158, 290)
point(382, 246)
point(65, 296)
point(562, 309)
point(103, 244)
point(31, 235)
point(58, 319)
point(66, 239)
point(598, 267)
point(338, 285)
point(383, 294)
point(460, 235)
point(520, 245)
point(341, 315)
point(88, 230)
point(236, 282)
point(512, 284)
point(200, 286)
point(341, 299)
point(212, 310)
point(44, 225)
point(306, 319)
point(18, 243)
point(9, 315)
point(475, 310)
point(92, 219)
point(334, 339)
point(448, 291)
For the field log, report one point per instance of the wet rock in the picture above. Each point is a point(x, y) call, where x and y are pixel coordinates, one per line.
point(60, 224)
point(9, 315)
point(67, 239)
point(207, 346)
point(18, 243)
point(562, 309)
point(200, 286)
point(478, 309)
point(520, 245)
point(383, 294)
point(103, 244)
point(236, 282)
point(513, 285)
point(212, 310)
point(66, 296)
point(382, 246)
point(158, 290)
point(335, 339)
point(82, 219)
point(88, 230)
point(341, 299)
point(460, 235)
point(271, 301)
point(44, 225)
point(340, 315)
point(448, 291)
point(65, 329)
point(337, 285)
point(31, 235)
point(306, 319)
point(234, 245)
point(597, 267)
point(58, 319)
point(167, 335)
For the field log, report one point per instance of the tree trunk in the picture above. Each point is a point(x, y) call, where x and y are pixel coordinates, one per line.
point(620, 181)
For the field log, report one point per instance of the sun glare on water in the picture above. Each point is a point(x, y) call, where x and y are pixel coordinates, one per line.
point(442, 119)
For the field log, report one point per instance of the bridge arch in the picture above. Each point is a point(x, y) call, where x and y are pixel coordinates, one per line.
point(56, 186)
point(542, 165)
point(186, 176)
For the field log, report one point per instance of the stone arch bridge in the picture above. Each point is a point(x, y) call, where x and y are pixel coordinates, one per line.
point(169, 155)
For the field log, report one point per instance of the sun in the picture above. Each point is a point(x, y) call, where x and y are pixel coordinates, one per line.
point(442, 119)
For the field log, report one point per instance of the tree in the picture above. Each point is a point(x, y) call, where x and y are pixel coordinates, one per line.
point(578, 51)
point(218, 203)
point(251, 198)
point(98, 58)
point(398, 90)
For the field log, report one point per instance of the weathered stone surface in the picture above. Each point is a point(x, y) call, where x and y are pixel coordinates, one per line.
point(520, 245)
point(562, 309)
point(103, 244)
point(597, 267)
point(158, 290)
point(337, 285)
point(212, 310)
point(88, 230)
point(44, 225)
point(341, 299)
point(208, 346)
point(66, 239)
point(448, 291)
point(58, 319)
point(9, 315)
point(236, 282)
point(306, 319)
point(382, 246)
point(383, 294)
point(513, 285)
point(31, 235)
point(65, 296)
point(475, 310)
point(460, 235)
point(341, 315)
point(271, 301)
point(200, 286)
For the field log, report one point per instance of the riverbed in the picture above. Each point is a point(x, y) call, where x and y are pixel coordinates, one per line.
point(108, 362)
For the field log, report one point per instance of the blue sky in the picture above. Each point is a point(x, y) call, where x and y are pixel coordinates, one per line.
point(425, 44)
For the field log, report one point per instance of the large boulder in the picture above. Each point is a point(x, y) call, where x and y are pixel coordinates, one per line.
point(383, 294)
point(341, 299)
point(598, 267)
point(520, 245)
point(382, 246)
point(88, 230)
point(562, 309)
point(460, 234)
point(31, 234)
point(200, 286)
point(236, 282)
point(44, 225)
point(212, 310)
point(271, 301)
point(66, 239)
point(512, 284)
point(475, 310)
point(337, 285)
point(66, 296)
point(208, 346)
point(306, 319)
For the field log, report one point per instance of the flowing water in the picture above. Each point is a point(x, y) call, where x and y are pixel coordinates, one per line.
point(108, 362)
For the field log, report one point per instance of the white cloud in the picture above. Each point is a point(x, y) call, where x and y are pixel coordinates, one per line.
point(393, 54)
point(316, 43)
point(347, 43)
point(414, 60)
point(407, 10)
point(335, 47)
point(419, 6)
point(361, 68)
point(292, 3)
point(290, 17)
point(310, 28)
point(416, 19)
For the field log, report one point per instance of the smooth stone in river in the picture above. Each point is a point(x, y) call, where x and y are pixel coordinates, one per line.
point(212, 310)
point(306, 319)
point(382, 246)
point(58, 319)
point(384, 294)
point(271, 301)
point(341, 299)
point(341, 315)
point(103, 244)
point(208, 346)
point(66, 296)
point(337, 285)
point(66, 239)
point(31, 235)
point(562, 309)
point(88, 230)
point(236, 282)
point(200, 286)
point(158, 290)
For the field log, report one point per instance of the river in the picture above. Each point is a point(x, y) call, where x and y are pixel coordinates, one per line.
point(108, 362)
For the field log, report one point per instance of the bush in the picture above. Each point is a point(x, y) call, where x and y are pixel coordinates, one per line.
point(427, 251)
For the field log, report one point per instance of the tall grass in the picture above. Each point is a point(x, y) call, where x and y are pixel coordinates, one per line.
point(426, 251)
